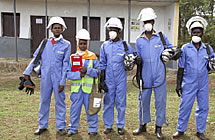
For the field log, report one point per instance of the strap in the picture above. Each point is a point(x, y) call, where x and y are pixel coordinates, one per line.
point(162, 39)
point(125, 46)
point(208, 49)
point(40, 51)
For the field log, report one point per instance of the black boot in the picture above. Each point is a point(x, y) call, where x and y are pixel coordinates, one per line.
point(139, 130)
point(201, 136)
point(158, 132)
point(40, 131)
point(178, 134)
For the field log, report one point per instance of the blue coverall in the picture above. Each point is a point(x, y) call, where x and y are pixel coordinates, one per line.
point(55, 60)
point(79, 98)
point(195, 84)
point(111, 59)
point(153, 74)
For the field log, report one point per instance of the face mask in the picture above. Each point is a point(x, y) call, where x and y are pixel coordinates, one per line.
point(148, 27)
point(81, 53)
point(112, 35)
point(196, 39)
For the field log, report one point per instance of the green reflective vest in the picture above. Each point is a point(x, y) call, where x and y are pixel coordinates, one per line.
point(86, 82)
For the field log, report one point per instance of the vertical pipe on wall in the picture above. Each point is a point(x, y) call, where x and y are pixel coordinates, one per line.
point(15, 34)
point(129, 19)
point(46, 18)
point(88, 17)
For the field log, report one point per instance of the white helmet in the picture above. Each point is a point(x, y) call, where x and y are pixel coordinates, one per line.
point(146, 14)
point(83, 34)
point(114, 22)
point(57, 20)
point(195, 22)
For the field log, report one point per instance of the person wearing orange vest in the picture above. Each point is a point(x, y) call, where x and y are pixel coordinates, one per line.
point(81, 72)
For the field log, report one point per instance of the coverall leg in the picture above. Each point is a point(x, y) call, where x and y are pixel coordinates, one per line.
point(45, 100)
point(120, 101)
point(60, 106)
point(160, 104)
point(92, 120)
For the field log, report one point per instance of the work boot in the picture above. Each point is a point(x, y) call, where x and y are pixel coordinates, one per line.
point(139, 130)
point(92, 133)
point(40, 131)
point(61, 132)
point(107, 130)
point(121, 131)
point(178, 134)
point(201, 136)
point(158, 133)
point(69, 134)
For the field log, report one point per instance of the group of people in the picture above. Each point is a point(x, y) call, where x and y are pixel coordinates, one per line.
point(58, 65)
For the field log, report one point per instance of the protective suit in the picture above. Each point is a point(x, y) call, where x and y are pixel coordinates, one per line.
point(111, 60)
point(195, 81)
point(153, 74)
point(195, 84)
point(78, 95)
point(55, 60)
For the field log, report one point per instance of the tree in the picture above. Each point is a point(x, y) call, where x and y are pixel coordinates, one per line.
point(203, 8)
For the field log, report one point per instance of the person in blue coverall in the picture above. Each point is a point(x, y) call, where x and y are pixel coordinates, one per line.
point(192, 79)
point(150, 47)
point(79, 90)
point(111, 61)
point(55, 60)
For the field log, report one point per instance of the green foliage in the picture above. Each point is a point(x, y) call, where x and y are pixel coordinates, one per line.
point(190, 8)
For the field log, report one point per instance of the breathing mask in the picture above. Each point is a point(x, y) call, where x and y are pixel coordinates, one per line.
point(148, 27)
point(112, 35)
point(196, 39)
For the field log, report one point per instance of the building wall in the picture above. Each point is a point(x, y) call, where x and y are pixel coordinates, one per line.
point(103, 9)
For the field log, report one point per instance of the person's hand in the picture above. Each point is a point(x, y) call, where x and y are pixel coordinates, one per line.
point(82, 74)
point(60, 88)
point(83, 69)
point(178, 90)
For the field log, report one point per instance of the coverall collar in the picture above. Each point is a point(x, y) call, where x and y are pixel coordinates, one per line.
point(202, 45)
point(118, 42)
point(144, 35)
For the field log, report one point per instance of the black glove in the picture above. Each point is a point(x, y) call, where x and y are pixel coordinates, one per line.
point(139, 70)
point(102, 84)
point(176, 54)
point(29, 85)
point(180, 75)
point(21, 84)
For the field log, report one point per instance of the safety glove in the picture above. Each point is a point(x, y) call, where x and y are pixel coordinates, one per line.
point(102, 84)
point(139, 71)
point(176, 53)
point(180, 75)
point(21, 84)
point(29, 85)
point(211, 64)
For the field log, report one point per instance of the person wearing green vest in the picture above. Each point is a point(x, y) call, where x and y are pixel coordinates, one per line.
point(82, 82)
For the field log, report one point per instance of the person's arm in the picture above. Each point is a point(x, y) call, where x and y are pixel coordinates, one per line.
point(29, 69)
point(169, 45)
point(103, 61)
point(93, 72)
point(65, 64)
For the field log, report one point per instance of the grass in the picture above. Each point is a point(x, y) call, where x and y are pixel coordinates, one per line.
point(19, 114)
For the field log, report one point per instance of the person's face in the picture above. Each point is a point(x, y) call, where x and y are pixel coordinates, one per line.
point(149, 21)
point(117, 30)
point(82, 45)
point(197, 32)
point(57, 29)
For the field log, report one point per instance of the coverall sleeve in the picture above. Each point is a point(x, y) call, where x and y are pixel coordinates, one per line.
point(138, 47)
point(103, 61)
point(182, 59)
point(130, 49)
point(65, 65)
point(93, 72)
point(72, 75)
point(169, 45)
point(29, 69)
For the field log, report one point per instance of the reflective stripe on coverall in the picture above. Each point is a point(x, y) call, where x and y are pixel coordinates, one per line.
point(153, 74)
point(111, 59)
point(55, 60)
point(79, 98)
point(195, 84)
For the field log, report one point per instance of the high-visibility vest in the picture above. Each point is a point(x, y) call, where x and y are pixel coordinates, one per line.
point(86, 82)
